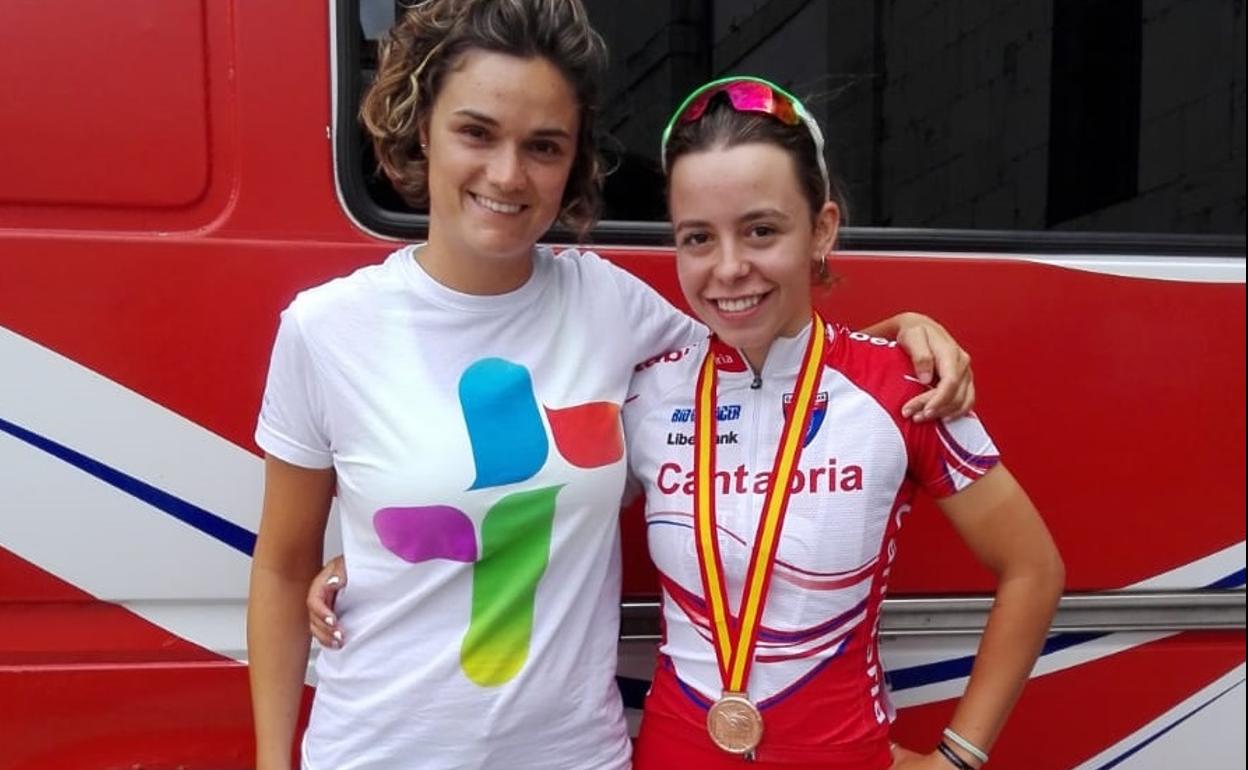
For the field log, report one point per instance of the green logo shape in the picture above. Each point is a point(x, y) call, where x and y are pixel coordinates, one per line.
point(515, 549)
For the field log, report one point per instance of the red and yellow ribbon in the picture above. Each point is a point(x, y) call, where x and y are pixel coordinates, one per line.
point(734, 642)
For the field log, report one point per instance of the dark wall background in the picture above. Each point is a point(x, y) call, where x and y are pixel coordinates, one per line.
point(1108, 115)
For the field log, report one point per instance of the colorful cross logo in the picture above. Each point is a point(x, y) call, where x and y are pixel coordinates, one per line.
point(509, 445)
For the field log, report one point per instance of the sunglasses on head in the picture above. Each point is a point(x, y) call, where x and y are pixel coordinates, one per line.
point(747, 94)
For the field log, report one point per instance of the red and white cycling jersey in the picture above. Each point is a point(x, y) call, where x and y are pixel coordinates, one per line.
point(816, 675)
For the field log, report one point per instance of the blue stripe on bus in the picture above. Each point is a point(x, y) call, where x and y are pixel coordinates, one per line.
point(1130, 752)
point(956, 668)
point(238, 538)
point(1233, 580)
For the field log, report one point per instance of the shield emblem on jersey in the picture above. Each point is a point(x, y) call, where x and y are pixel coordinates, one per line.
point(816, 416)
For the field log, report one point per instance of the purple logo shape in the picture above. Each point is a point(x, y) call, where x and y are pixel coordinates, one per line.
point(422, 533)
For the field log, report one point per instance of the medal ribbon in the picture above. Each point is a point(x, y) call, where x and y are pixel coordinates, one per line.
point(734, 642)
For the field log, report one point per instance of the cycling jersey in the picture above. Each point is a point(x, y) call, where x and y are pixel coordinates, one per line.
point(816, 675)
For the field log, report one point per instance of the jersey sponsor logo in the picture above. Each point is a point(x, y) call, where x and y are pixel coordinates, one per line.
point(670, 357)
point(877, 341)
point(817, 414)
point(723, 413)
point(509, 445)
point(681, 439)
point(827, 477)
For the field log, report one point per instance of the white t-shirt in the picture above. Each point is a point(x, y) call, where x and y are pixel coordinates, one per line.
point(480, 460)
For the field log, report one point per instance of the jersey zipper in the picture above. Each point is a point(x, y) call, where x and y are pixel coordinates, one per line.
point(752, 441)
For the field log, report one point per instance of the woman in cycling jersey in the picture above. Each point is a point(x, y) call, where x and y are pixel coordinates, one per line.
point(772, 519)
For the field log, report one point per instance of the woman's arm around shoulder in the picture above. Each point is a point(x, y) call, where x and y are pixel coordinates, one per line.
point(938, 360)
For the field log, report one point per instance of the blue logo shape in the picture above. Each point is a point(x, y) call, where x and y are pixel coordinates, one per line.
point(505, 428)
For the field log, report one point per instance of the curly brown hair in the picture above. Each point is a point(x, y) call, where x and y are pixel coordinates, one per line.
point(429, 41)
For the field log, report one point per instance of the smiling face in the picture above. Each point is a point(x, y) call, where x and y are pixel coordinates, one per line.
point(746, 239)
point(501, 140)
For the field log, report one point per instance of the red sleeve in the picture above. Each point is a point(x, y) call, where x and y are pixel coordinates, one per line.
point(945, 456)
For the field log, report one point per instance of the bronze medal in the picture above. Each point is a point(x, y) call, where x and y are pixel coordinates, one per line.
point(735, 724)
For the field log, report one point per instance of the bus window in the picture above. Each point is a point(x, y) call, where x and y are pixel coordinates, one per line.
point(1086, 117)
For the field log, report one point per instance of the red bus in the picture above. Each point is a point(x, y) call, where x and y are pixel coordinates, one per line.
point(171, 173)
